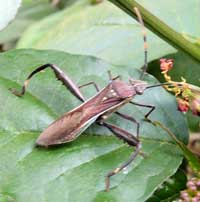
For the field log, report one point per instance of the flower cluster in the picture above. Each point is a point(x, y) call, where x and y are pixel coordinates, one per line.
point(192, 193)
point(166, 64)
point(188, 96)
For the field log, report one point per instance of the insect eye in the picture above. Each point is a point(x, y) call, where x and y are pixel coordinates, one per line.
point(139, 90)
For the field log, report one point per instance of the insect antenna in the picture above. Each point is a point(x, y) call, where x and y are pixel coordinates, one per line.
point(160, 84)
point(144, 33)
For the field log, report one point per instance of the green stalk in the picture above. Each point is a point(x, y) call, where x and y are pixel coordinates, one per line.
point(159, 28)
point(191, 157)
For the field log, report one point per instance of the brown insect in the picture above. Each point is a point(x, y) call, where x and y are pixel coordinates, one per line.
point(107, 101)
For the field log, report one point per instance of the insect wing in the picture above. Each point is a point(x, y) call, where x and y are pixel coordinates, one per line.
point(69, 126)
point(65, 129)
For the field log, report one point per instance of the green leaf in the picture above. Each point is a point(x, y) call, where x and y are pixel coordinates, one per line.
point(29, 12)
point(170, 189)
point(8, 10)
point(189, 155)
point(101, 30)
point(75, 171)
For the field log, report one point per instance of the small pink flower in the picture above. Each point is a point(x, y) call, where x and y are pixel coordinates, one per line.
point(195, 106)
point(183, 105)
point(166, 64)
point(188, 95)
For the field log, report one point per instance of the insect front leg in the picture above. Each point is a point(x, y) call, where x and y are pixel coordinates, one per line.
point(152, 108)
point(96, 86)
point(129, 139)
point(91, 83)
point(111, 78)
point(60, 75)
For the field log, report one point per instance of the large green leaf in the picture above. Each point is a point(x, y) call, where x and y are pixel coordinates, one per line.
point(101, 30)
point(75, 171)
point(170, 190)
point(8, 10)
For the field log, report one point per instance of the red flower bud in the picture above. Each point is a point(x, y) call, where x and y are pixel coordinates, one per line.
point(183, 105)
point(195, 106)
point(166, 64)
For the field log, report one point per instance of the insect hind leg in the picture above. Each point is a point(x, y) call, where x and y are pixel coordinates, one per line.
point(124, 165)
point(126, 137)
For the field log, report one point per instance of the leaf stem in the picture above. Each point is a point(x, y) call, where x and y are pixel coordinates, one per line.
point(191, 157)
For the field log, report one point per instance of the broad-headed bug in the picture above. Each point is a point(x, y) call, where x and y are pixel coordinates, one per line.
point(107, 101)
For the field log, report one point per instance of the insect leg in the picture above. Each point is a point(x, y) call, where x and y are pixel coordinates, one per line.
point(112, 78)
point(60, 75)
point(132, 119)
point(147, 106)
point(91, 83)
point(128, 138)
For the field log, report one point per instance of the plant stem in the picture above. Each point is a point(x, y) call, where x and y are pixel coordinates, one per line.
point(159, 28)
point(191, 157)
